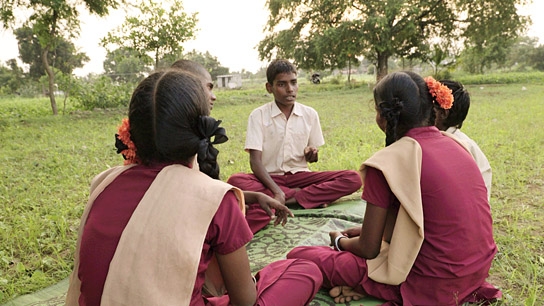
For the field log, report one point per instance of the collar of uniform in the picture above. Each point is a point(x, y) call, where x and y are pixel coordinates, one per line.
point(452, 130)
point(275, 111)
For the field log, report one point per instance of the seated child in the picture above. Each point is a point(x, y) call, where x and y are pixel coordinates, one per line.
point(159, 232)
point(260, 208)
point(427, 233)
point(283, 136)
point(451, 121)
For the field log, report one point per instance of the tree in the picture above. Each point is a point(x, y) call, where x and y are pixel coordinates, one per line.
point(520, 53)
point(379, 29)
point(442, 55)
point(210, 62)
point(125, 65)
point(492, 28)
point(536, 59)
point(11, 77)
point(64, 58)
point(334, 48)
point(50, 21)
point(154, 30)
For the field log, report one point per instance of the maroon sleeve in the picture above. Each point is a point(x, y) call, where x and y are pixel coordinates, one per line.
point(376, 190)
point(228, 230)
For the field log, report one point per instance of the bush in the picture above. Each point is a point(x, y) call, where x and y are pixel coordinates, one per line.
point(443, 75)
point(503, 78)
point(336, 80)
point(29, 90)
point(101, 92)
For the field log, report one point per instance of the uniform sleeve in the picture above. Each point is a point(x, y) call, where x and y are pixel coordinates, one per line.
point(229, 230)
point(376, 190)
point(316, 134)
point(254, 132)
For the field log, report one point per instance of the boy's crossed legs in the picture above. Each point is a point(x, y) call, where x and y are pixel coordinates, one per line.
point(310, 189)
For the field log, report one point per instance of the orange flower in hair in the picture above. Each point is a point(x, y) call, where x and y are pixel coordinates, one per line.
point(440, 92)
point(127, 149)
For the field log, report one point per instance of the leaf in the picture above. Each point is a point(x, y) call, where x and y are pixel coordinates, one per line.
point(20, 267)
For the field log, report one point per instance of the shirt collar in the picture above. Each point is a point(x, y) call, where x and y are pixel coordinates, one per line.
point(275, 111)
point(452, 129)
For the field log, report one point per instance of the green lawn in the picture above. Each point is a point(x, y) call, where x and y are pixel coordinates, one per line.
point(47, 163)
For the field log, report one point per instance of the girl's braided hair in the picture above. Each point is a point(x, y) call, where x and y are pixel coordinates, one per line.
point(169, 121)
point(404, 101)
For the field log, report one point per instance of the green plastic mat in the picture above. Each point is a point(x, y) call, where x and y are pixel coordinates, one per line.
point(309, 227)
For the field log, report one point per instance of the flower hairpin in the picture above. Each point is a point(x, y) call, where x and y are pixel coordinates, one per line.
point(127, 149)
point(440, 92)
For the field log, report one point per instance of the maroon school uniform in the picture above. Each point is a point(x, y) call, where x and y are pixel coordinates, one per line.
point(227, 232)
point(458, 248)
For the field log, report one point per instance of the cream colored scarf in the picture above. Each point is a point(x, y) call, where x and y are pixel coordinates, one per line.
point(400, 163)
point(159, 251)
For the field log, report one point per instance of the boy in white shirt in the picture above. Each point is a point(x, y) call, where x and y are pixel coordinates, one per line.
point(283, 136)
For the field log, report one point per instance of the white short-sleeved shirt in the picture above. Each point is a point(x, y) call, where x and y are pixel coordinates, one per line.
point(282, 141)
point(478, 154)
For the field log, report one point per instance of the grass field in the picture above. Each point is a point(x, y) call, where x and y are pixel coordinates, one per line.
point(47, 162)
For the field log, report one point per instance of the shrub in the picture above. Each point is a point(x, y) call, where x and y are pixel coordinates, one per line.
point(101, 92)
point(503, 78)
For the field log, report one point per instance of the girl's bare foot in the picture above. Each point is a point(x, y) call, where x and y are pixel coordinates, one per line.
point(342, 294)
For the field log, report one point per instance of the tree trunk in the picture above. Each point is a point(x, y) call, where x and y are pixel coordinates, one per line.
point(382, 66)
point(51, 79)
point(157, 59)
point(349, 70)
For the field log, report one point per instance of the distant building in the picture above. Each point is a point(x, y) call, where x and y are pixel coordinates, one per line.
point(230, 81)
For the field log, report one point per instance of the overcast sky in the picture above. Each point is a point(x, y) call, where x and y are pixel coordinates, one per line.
point(229, 30)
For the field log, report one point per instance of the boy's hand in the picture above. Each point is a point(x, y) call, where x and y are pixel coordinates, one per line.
point(310, 153)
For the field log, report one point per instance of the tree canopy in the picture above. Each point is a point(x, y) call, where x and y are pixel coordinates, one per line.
point(210, 62)
point(329, 33)
point(11, 77)
point(125, 65)
point(65, 57)
point(51, 21)
point(159, 29)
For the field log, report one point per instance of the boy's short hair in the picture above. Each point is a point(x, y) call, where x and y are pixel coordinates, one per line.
point(461, 103)
point(190, 66)
point(278, 66)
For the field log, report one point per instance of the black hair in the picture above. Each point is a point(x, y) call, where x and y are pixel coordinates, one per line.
point(169, 121)
point(461, 103)
point(140, 114)
point(279, 66)
point(403, 100)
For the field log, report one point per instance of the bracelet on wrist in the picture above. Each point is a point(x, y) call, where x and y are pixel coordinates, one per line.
point(337, 242)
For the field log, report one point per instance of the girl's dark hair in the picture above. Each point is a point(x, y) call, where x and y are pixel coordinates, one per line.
point(404, 101)
point(279, 66)
point(140, 116)
point(169, 121)
point(461, 103)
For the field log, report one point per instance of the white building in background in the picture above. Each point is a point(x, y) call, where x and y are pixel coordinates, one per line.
point(230, 81)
